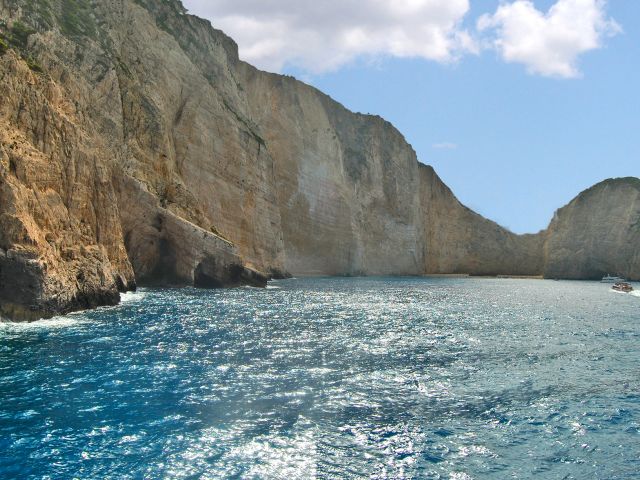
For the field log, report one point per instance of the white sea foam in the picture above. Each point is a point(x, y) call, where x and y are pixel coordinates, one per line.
point(63, 321)
point(635, 293)
point(48, 324)
point(129, 297)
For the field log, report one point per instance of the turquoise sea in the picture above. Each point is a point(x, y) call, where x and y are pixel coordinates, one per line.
point(330, 378)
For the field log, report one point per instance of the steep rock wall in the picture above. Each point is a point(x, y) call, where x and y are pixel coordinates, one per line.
point(135, 145)
point(348, 189)
point(60, 235)
point(597, 233)
point(91, 187)
point(458, 240)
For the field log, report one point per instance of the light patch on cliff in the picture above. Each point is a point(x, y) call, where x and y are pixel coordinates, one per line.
point(549, 43)
point(323, 36)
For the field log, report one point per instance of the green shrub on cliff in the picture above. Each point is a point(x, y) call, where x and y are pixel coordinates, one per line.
point(39, 13)
point(166, 14)
point(77, 19)
point(20, 34)
point(33, 65)
point(18, 37)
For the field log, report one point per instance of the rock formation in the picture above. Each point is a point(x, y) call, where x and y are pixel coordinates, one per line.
point(135, 146)
point(597, 233)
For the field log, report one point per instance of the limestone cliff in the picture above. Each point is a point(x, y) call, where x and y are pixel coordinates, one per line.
point(61, 243)
point(135, 146)
point(597, 233)
point(96, 155)
point(459, 240)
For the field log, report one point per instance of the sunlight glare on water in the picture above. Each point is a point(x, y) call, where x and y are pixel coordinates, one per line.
point(330, 378)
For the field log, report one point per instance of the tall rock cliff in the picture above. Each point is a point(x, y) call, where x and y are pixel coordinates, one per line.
point(597, 233)
point(135, 146)
point(459, 240)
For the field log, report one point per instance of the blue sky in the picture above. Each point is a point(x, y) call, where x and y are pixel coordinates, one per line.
point(515, 130)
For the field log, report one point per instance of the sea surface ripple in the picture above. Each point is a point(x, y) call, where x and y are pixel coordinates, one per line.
point(330, 378)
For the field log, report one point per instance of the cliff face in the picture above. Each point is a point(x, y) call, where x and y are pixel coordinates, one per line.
point(597, 233)
point(61, 243)
point(459, 240)
point(108, 174)
point(348, 184)
point(136, 146)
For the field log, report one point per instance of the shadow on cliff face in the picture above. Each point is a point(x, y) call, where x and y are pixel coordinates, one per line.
point(210, 274)
point(212, 271)
point(23, 290)
point(164, 271)
point(20, 285)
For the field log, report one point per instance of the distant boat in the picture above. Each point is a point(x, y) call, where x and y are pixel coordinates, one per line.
point(610, 279)
point(622, 287)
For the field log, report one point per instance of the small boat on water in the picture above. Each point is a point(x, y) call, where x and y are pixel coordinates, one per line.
point(610, 279)
point(622, 287)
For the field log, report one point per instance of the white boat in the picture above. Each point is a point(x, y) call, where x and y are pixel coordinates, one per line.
point(610, 279)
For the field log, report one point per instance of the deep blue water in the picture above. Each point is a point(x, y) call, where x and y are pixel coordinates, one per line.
point(330, 378)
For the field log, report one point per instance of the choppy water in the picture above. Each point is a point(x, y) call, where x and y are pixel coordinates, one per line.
point(330, 378)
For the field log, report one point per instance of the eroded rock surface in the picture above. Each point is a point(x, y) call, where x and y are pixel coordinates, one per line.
point(598, 233)
point(136, 146)
point(60, 232)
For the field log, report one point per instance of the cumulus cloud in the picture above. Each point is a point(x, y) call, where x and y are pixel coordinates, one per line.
point(549, 43)
point(323, 35)
point(317, 36)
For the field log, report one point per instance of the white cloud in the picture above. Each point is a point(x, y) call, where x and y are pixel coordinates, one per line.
point(445, 146)
point(323, 35)
point(549, 43)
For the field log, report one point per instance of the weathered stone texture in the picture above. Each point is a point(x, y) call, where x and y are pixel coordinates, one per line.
point(598, 233)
